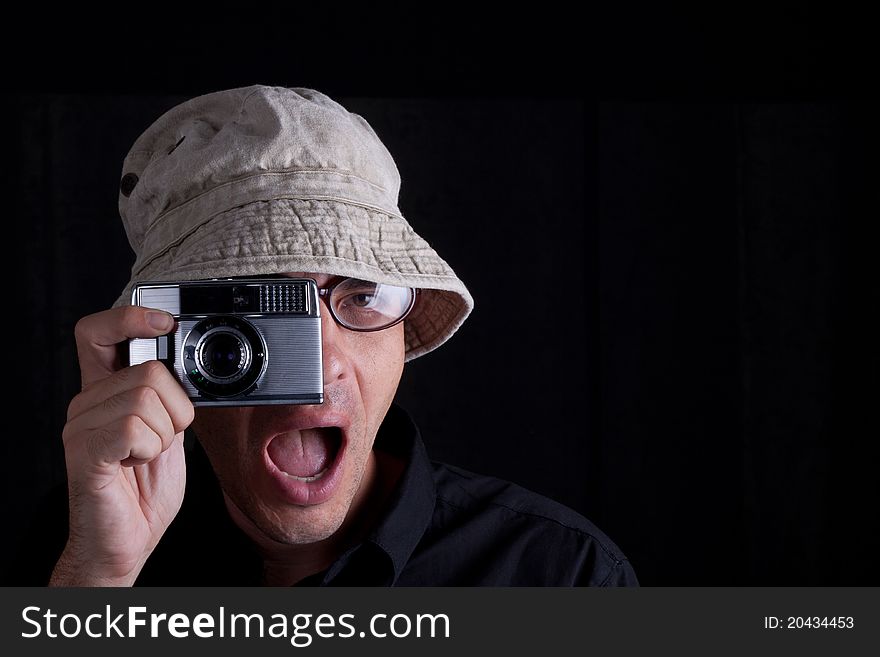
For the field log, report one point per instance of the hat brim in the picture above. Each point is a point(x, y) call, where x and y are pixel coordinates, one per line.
point(319, 236)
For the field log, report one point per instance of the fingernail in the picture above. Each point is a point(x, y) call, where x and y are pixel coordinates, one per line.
point(160, 321)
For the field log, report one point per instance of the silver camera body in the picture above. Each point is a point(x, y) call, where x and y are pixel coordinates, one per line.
point(238, 342)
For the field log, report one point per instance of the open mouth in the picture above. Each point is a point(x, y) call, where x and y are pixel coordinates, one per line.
point(305, 455)
point(306, 462)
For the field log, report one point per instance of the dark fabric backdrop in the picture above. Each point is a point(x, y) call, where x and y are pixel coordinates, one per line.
point(738, 309)
point(676, 319)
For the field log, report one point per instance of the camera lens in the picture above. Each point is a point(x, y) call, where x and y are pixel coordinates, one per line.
point(223, 355)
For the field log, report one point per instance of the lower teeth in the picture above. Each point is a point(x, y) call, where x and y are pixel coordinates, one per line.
point(313, 477)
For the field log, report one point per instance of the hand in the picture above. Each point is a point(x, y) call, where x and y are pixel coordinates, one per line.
point(123, 444)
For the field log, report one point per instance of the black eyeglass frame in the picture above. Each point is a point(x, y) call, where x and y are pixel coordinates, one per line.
point(328, 291)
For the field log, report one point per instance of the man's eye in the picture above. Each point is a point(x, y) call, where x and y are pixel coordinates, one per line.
point(362, 300)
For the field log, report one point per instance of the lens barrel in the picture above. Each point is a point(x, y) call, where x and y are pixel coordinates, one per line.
point(224, 356)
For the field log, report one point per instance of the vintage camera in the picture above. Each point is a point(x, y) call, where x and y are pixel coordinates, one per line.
point(238, 342)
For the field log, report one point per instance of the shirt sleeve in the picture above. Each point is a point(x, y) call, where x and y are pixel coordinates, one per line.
point(621, 574)
point(600, 563)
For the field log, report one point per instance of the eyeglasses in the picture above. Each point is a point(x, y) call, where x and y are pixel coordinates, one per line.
point(366, 306)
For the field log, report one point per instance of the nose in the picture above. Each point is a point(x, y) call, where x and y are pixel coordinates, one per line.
point(336, 361)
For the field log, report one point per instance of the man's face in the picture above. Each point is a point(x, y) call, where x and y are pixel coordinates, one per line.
point(294, 471)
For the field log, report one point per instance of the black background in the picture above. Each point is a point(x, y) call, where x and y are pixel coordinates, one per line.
point(665, 221)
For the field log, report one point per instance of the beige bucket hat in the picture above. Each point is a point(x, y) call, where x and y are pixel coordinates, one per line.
point(263, 180)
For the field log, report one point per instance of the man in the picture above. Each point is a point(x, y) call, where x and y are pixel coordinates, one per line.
point(271, 181)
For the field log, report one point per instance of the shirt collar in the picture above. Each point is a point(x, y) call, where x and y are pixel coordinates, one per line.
point(404, 522)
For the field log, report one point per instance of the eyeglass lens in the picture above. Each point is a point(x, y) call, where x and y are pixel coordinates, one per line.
point(363, 305)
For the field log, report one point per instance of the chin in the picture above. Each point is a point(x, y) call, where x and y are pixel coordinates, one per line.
point(300, 526)
point(287, 524)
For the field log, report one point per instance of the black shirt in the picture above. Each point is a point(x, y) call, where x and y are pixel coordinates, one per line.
point(444, 527)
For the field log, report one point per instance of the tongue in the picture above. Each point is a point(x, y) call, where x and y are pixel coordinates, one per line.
point(301, 453)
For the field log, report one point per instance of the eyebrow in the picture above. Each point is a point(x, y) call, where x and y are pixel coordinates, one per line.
point(334, 278)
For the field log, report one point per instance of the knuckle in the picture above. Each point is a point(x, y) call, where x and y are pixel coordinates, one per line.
point(184, 417)
point(83, 329)
point(75, 407)
point(80, 329)
point(148, 373)
point(130, 425)
point(154, 371)
point(190, 414)
point(144, 396)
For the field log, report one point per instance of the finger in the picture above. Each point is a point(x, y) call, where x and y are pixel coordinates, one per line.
point(142, 401)
point(132, 461)
point(127, 439)
point(98, 335)
point(151, 374)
